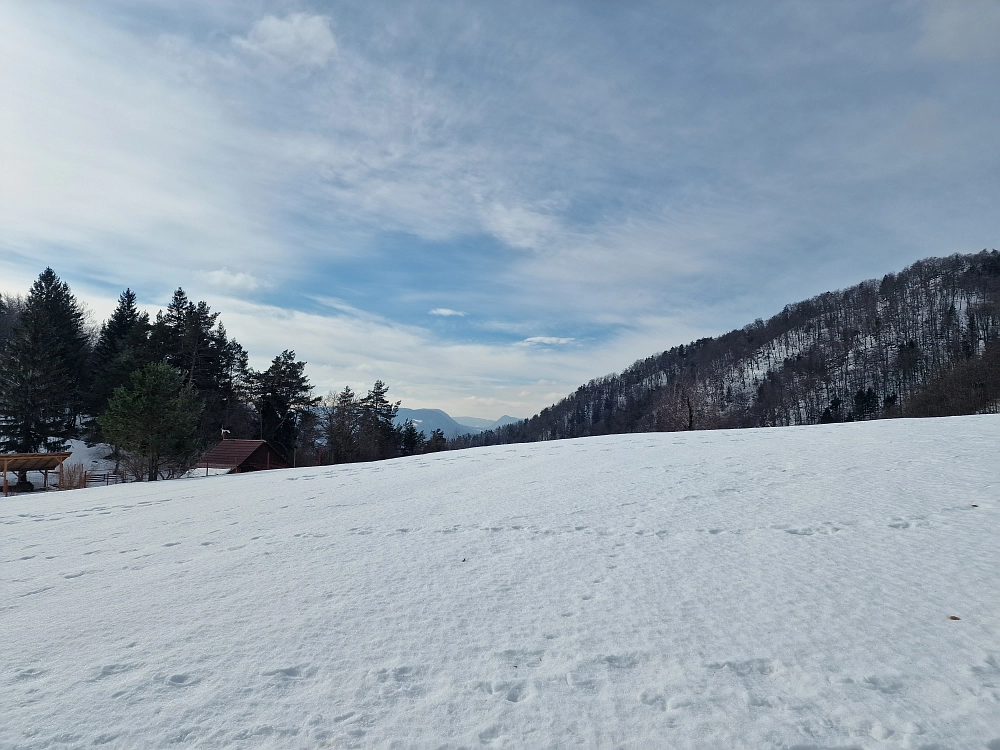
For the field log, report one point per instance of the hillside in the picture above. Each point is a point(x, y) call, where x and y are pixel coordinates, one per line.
point(758, 589)
point(428, 420)
point(923, 342)
point(486, 424)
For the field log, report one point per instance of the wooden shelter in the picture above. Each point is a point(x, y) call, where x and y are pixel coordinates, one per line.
point(240, 456)
point(43, 462)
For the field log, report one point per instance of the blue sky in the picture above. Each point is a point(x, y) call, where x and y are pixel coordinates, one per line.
point(488, 203)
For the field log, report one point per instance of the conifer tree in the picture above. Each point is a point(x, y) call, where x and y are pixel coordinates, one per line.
point(155, 417)
point(411, 439)
point(437, 442)
point(122, 348)
point(42, 377)
point(280, 393)
point(189, 337)
point(378, 437)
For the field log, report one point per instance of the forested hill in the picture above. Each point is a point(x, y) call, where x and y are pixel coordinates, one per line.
point(923, 342)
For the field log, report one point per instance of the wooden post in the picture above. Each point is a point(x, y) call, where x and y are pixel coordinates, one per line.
point(45, 480)
point(6, 489)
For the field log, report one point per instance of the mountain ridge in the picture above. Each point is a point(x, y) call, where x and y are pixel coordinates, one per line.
point(921, 342)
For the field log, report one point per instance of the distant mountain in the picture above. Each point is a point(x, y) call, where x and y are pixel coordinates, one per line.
point(428, 420)
point(486, 424)
point(922, 342)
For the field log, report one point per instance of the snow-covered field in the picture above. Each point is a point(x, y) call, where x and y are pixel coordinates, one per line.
point(786, 588)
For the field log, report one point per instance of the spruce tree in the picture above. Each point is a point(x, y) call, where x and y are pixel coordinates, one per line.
point(42, 378)
point(280, 393)
point(122, 348)
point(189, 337)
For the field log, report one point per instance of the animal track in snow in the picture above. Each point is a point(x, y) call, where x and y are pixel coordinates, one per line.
point(656, 700)
point(182, 680)
point(919, 522)
point(748, 667)
point(111, 670)
point(289, 673)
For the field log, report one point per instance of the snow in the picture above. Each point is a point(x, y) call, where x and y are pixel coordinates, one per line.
point(93, 457)
point(775, 588)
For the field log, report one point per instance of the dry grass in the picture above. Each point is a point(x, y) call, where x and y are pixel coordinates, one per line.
point(73, 476)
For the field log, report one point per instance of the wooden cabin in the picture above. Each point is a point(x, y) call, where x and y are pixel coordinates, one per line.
point(239, 456)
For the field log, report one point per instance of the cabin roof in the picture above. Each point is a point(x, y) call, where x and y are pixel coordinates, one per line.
point(231, 454)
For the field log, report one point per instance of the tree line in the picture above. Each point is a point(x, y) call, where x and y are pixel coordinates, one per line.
point(161, 390)
point(923, 342)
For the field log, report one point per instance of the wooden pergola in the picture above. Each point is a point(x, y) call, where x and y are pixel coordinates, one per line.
point(43, 462)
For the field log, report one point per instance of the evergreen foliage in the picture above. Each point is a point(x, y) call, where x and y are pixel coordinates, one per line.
point(437, 442)
point(122, 348)
point(411, 440)
point(378, 438)
point(281, 394)
point(154, 417)
point(42, 379)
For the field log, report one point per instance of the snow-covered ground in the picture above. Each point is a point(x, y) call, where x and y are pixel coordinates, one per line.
point(783, 588)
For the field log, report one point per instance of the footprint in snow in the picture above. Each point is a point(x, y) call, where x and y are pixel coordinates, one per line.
point(182, 680)
point(288, 673)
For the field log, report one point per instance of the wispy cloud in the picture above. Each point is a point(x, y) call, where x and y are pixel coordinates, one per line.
point(445, 312)
point(297, 40)
point(547, 341)
point(626, 176)
point(233, 280)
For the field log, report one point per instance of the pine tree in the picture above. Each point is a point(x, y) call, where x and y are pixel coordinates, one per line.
point(189, 337)
point(378, 438)
point(122, 349)
point(437, 442)
point(280, 393)
point(155, 417)
point(411, 439)
point(42, 378)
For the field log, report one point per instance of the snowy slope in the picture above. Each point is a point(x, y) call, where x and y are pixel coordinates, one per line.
point(786, 588)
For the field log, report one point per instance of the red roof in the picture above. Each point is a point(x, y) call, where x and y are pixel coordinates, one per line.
point(243, 455)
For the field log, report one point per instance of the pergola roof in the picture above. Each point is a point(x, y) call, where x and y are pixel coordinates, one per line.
point(31, 461)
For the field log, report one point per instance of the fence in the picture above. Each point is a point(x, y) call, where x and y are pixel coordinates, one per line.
point(102, 478)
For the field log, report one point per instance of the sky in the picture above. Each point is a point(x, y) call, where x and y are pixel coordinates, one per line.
point(487, 204)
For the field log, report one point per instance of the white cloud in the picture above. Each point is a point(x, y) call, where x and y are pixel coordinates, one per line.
point(445, 312)
point(233, 280)
point(547, 341)
point(521, 227)
point(108, 164)
point(298, 40)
